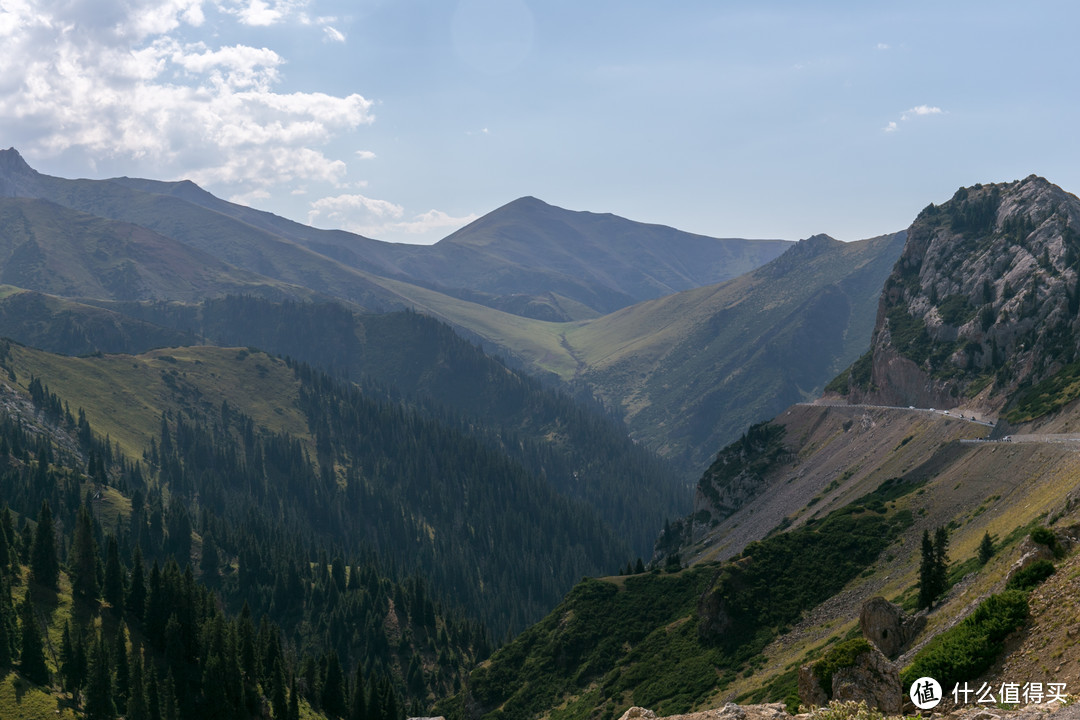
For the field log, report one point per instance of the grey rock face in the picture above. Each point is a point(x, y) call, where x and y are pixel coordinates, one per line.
point(888, 627)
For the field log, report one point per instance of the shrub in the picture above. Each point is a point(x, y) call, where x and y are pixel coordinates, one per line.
point(849, 710)
point(969, 649)
point(1031, 576)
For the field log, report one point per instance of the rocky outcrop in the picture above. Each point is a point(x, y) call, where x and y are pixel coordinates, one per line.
point(867, 676)
point(873, 680)
point(888, 627)
point(983, 299)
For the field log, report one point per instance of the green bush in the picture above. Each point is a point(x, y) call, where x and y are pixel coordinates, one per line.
point(967, 650)
point(839, 656)
point(1031, 576)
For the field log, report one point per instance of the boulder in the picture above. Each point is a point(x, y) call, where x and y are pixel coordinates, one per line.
point(868, 677)
point(872, 679)
point(888, 627)
point(638, 713)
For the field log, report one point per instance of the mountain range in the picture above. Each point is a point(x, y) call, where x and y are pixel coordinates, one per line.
point(528, 281)
point(398, 456)
point(958, 422)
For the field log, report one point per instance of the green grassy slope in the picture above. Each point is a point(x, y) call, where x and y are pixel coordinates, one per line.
point(53, 249)
point(692, 370)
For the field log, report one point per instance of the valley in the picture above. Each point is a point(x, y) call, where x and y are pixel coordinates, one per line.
point(554, 466)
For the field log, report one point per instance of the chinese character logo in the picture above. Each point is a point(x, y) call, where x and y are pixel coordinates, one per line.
point(925, 693)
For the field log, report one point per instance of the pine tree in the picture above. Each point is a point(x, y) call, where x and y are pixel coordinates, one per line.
point(135, 601)
point(83, 565)
point(294, 700)
point(122, 671)
point(358, 710)
point(44, 565)
point(941, 562)
point(986, 548)
point(32, 657)
point(99, 687)
point(113, 591)
point(209, 562)
point(927, 592)
point(7, 627)
point(333, 688)
point(136, 705)
point(639, 567)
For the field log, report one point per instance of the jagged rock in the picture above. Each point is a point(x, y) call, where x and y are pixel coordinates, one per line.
point(888, 627)
point(871, 678)
point(638, 712)
point(811, 694)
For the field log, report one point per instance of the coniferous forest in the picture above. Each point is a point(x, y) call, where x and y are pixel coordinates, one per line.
point(229, 571)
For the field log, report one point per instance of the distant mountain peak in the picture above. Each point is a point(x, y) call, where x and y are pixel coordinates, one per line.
point(11, 161)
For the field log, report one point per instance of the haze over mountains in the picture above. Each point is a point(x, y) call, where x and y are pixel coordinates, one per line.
point(504, 280)
point(306, 418)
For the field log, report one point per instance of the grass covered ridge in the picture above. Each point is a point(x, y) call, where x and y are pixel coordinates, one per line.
point(670, 642)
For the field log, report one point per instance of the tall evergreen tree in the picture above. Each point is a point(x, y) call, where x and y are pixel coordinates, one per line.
point(927, 569)
point(941, 561)
point(113, 590)
point(83, 565)
point(121, 669)
point(986, 548)
point(99, 686)
point(7, 626)
point(32, 655)
point(136, 592)
point(358, 707)
point(294, 700)
point(137, 708)
point(333, 688)
point(44, 563)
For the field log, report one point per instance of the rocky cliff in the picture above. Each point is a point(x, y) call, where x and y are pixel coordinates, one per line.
point(983, 300)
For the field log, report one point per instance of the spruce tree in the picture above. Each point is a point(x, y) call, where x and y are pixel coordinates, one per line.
point(44, 564)
point(986, 548)
point(32, 656)
point(7, 627)
point(358, 709)
point(99, 687)
point(333, 688)
point(83, 565)
point(113, 590)
point(122, 671)
point(294, 700)
point(136, 705)
point(927, 592)
point(941, 562)
point(135, 601)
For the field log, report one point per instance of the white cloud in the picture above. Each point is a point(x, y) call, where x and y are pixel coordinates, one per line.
point(365, 154)
point(915, 112)
point(332, 34)
point(379, 218)
point(113, 79)
point(882, 46)
point(921, 110)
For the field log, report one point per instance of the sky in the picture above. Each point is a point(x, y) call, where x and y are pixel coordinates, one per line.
point(403, 120)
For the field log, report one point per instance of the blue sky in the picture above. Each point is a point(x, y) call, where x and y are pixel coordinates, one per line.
point(405, 119)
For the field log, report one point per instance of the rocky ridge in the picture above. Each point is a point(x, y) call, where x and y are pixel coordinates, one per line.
point(983, 299)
